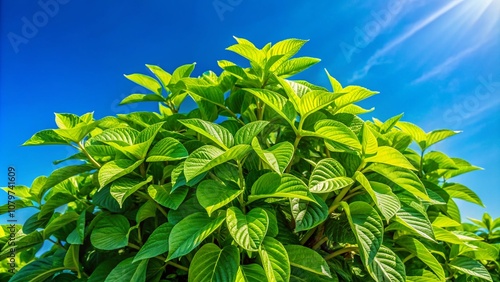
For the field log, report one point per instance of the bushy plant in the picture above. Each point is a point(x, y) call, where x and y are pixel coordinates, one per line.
point(267, 179)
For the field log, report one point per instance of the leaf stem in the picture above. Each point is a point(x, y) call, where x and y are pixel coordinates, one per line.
point(341, 251)
point(178, 266)
point(57, 244)
point(91, 159)
point(308, 235)
point(319, 243)
point(147, 197)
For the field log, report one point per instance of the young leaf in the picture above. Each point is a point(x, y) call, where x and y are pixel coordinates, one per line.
point(207, 157)
point(162, 75)
point(76, 236)
point(390, 156)
point(113, 170)
point(110, 232)
point(273, 185)
point(46, 137)
point(295, 65)
point(136, 98)
point(248, 230)
point(307, 259)
point(61, 174)
point(275, 101)
point(416, 133)
point(190, 232)
point(218, 134)
point(213, 195)
point(462, 192)
point(274, 260)
point(353, 94)
point(436, 136)
point(145, 81)
point(413, 216)
point(314, 101)
point(404, 178)
point(212, 264)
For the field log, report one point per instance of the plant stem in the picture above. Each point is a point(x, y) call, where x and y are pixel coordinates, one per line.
point(319, 243)
point(147, 197)
point(307, 236)
point(134, 246)
point(295, 146)
point(341, 251)
point(409, 257)
point(339, 199)
point(242, 186)
point(57, 244)
point(91, 159)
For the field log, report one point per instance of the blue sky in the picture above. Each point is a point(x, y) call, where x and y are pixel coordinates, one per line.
point(436, 61)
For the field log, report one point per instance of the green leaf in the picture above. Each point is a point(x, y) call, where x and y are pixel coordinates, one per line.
point(156, 244)
point(368, 229)
point(353, 95)
point(436, 136)
point(307, 259)
point(59, 222)
point(213, 195)
point(249, 52)
point(46, 137)
point(470, 267)
point(127, 270)
point(462, 167)
point(272, 185)
point(190, 232)
point(145, 81)
point(274, 260)
point(77, 133)
point(338, 137)
point(404, 178)
point(328, 176)
point(120, 136)
point(276, 102)
point(277, 157)
point(76, 236)
point(182, 72)
point(437, 160)
point(113, 170)
point(110, 232)
point(65, 121)
point(218, 134)
point(336, 86)
point(166, 196)
point(61, 174)
point(459, 191)
point(387, 202)
point(307, 214)
point(248, 230)
point(54, 202)
point(314, 101)
point(167, 149)
point(124, 187)
point(208, 157)
point(212, 264)
point(23, 243)
point(72, 257)
point(39, 270)
point(420, 251)
point(387, 266)
point(33, 223)
point(250, 273)
point(389, 124)
point(413, 216)
point(245, 134)
point(390, 156)
point(369, 143)
point(163, 76)
point(295, 65)
point(416, 133)
point(136, 98)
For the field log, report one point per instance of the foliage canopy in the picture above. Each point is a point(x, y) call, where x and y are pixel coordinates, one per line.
point(267, 179)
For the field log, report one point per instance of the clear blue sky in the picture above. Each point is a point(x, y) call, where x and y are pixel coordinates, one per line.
point(436, 61)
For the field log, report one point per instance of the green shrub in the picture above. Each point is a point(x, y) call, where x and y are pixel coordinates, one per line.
point(268, 179)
